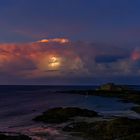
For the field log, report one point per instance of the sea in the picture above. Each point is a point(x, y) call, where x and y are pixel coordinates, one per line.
point(20, 104)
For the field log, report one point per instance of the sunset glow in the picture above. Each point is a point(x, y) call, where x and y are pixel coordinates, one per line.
point(80, 42)
point(57, 40)
point(54, 62)
point(69, 65)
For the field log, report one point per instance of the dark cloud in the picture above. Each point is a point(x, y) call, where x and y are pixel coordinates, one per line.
point(108, 58)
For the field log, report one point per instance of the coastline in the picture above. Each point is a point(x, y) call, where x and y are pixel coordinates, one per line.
point(55, 131)
point(126, 96)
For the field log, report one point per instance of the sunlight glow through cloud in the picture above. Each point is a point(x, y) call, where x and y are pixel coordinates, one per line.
point(57, 40)
point(46, 59)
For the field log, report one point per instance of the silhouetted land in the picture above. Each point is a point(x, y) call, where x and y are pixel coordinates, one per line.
point(60, 115)
point(111, 90)
point(119, 129)
point(11, 137)
point(111, 129)
point(136, 109)
point(126, 96)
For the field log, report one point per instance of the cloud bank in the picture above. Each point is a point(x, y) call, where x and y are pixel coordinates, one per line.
point(62, 58)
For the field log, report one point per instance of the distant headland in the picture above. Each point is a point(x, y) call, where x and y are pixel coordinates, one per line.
point(113, 87)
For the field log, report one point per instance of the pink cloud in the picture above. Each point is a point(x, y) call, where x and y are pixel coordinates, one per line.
point(61, 57)
point(39, 59)
point(136, 54)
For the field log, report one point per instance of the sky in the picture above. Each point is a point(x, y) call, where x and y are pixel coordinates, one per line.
point(69, 42)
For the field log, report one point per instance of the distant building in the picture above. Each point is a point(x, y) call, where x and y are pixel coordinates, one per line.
point(112, 87)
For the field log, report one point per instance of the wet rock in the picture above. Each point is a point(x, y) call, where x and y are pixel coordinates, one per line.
point(11, 137)
point(119, 129)
point(60, 115)
point(136, 109)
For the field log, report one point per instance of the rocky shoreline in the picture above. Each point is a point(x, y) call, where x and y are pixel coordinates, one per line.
point(124, 94)
point(83, 124)
point(7, 136)
point(117, 128)
point(110, 129)
point(61, 115)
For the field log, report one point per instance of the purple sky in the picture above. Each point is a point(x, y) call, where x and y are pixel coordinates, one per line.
point(69, 41)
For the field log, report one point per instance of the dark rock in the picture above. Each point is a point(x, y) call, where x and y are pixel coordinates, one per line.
point(60, 115)
point(18, 137)
point(136, 109)
point(113, 87)
point(132, 137)
point(120, 129)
